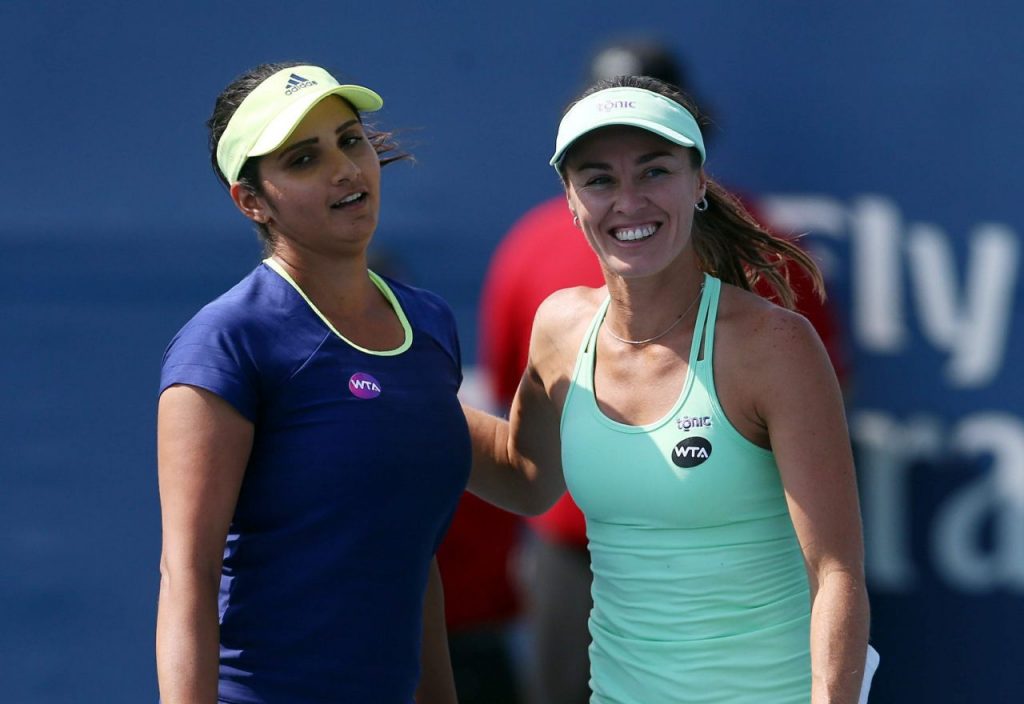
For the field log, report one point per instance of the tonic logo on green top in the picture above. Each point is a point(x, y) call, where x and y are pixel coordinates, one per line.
point(689, 423)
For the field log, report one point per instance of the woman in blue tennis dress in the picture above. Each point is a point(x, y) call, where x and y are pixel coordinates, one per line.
point(699, 427)
point(311, 445)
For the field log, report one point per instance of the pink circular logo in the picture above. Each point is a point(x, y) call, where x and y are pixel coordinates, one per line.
point(362, 385)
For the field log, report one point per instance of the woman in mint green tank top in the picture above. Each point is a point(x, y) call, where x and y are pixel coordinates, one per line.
point(699, 427)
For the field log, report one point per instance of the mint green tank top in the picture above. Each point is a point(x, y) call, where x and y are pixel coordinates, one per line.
point(700, 591)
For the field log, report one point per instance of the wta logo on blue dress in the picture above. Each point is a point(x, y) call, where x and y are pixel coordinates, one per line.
point(363, 385)
point(691, 452)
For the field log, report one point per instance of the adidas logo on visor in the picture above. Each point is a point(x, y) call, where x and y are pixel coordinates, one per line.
point(297, 83)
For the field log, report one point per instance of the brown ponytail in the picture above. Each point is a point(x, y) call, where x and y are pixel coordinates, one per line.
point(732, 246)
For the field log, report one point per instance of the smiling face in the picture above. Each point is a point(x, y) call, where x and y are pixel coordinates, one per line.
point(321, 188)
point(634, 195)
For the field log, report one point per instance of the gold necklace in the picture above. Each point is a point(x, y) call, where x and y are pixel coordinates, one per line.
point(666, 330)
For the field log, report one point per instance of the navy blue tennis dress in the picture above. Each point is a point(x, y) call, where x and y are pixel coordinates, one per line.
point(358, 460)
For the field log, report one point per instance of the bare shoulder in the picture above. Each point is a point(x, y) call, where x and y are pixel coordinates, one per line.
point(564, 315)
point(568, 306)
point(769, 333)
point(558, 329)
point(766, 355)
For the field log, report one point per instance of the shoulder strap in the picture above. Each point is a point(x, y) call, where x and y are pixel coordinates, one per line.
point(703, 344)
point(585, 358)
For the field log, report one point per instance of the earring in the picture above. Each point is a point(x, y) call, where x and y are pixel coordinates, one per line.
point(701, 205)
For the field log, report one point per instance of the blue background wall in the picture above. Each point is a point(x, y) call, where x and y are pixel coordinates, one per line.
point(890, 130)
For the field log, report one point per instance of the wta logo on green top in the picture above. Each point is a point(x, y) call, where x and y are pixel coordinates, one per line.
point(297, 83)
point(691, 452)
point(364, 386)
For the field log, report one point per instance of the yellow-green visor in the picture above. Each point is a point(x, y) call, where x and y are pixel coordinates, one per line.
point(635, 107)
point(272, 111)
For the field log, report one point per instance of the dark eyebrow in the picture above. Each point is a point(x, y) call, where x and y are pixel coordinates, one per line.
point(298, 145)
point(652, 156)
point(600, 165)
point(313, 140)
point(345, 125)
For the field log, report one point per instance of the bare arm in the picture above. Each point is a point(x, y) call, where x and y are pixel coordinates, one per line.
point(203, 445)
point(803, 411)
point(517, 464)
point(437, 684)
